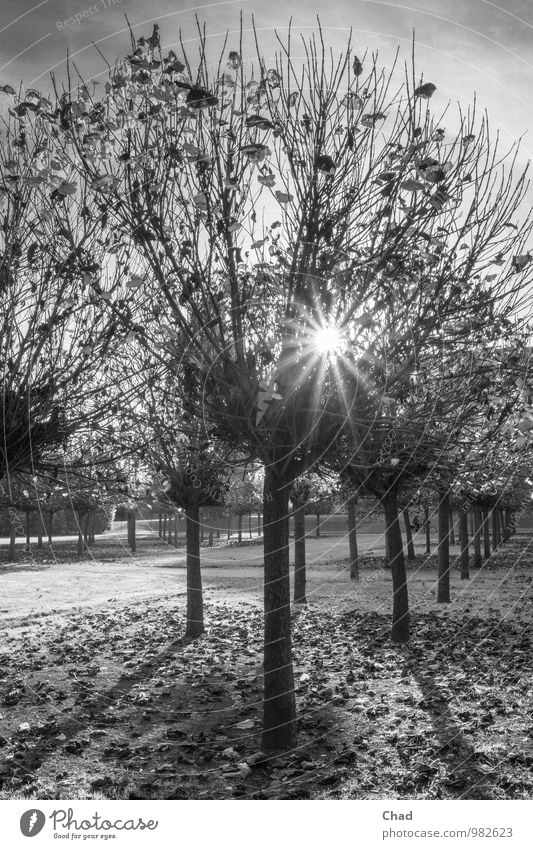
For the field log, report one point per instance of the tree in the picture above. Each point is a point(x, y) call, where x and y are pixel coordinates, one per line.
point(184, 165)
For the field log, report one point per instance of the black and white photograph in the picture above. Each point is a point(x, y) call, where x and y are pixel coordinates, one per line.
point(266, 421)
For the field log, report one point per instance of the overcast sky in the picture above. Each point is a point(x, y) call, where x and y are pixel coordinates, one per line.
point(464, 46)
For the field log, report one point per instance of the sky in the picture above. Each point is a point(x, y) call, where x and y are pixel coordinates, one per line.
point(463, 46)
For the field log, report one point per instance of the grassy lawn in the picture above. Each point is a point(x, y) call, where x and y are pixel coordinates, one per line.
point(100, 695)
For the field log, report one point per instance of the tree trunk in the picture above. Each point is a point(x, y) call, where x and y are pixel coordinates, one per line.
point(495, 528)
point(211, 536)
point(132, 531)
point(477, 538)
point(352, 537)
point(50, 526)
point(12, 541)
point(160, 525)
point(250, 525)
point(239, 527)
point(506, 525)
point(28, 533)
point(400, 612)
point(486, 533)
point(259, 524)
point(80, 535)
point(195, 605)
point(472, 522)
point(463, 542)
point(279, 727)
point(443, 573)
point(317, 524)
point(427, 526)
point(164, 527)
point(452, 528)
point(299, 555)
point(229, 525)
point(86, 524)
point(408, 535)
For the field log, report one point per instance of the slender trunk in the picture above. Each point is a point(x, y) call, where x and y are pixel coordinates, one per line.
point(352, 538)
point(443, 573)
point(211, 536)
point(164, 526)
point(229, 525)
point(160, 525)
point(279, 728)
point(132, 535)
point(195, 606)
point(239, 528)
point(202, 530)
point(317, 524)
point(427, 526)
point(80, 535)
point(50, 526)
point(472, 522)
point(506, 525)
point(408, 535)
point(486, 533)
point(12, 541)
point(495, 528)
point(250, 525)
point(400, 613)
point(477, 538)
point(86, 524)
point(259, 524)
point(299, 555)
point(463, 542)
point(452, 528)
point(28, 531)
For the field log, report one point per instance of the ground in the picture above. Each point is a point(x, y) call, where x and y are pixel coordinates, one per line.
point(102, 697)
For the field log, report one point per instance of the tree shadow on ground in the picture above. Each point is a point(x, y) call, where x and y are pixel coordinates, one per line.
point(466, 777)
point(55, 737)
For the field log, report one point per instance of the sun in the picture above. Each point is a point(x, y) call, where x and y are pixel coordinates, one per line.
point(328, 340)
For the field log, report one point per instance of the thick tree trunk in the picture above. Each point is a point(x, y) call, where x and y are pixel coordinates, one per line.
point(477, 538)
point(463, 542)
point(400, 612)
point(408, 535)
point(195, 604)
point(279, 728)
point(351, 505)
point(427, 526)
point(299, 555)
point(486, 533)
point(443, 574)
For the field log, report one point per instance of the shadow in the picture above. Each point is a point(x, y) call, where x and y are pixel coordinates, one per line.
point(24, 567)
point(466, 778)
point(31, 756)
